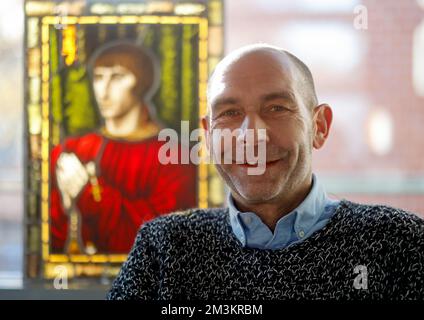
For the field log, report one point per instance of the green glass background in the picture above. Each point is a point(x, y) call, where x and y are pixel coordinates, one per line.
point(73, 106)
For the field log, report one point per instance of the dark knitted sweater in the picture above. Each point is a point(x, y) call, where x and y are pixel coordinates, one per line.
point(195, 255)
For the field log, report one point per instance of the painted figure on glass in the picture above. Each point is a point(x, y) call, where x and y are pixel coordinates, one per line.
point(105, 184)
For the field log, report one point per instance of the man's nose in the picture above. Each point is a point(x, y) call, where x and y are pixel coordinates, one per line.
point(253, 130)
point(104, 88)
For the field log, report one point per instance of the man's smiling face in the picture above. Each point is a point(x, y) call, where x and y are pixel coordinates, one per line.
point(260, 91)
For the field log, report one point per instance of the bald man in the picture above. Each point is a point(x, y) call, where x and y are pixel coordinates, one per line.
point(280, 237)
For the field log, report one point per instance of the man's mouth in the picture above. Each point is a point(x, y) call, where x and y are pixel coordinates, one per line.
point(254, 165)
point(104, 104)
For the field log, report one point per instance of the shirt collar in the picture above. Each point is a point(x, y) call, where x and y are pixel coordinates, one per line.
point(311, 208)
point(306, 214)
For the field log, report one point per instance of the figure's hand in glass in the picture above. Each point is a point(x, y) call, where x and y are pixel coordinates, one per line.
point(72, 176)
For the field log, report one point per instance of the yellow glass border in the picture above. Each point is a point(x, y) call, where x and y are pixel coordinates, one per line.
point(47, 21)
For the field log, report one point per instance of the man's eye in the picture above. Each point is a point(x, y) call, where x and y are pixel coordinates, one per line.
point(230, 113)
point(277, 108)
point(117, 76)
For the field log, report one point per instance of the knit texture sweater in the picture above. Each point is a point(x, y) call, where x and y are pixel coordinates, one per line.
point(194, 255)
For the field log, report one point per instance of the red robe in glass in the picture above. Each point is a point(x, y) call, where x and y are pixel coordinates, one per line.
point(135, 188)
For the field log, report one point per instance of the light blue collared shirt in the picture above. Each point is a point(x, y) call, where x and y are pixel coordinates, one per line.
point(310, 216)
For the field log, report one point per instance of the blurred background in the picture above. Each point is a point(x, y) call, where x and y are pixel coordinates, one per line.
point(367, 58)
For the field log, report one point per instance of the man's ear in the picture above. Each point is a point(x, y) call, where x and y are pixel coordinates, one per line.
point(205, 125)
point(322, 119)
